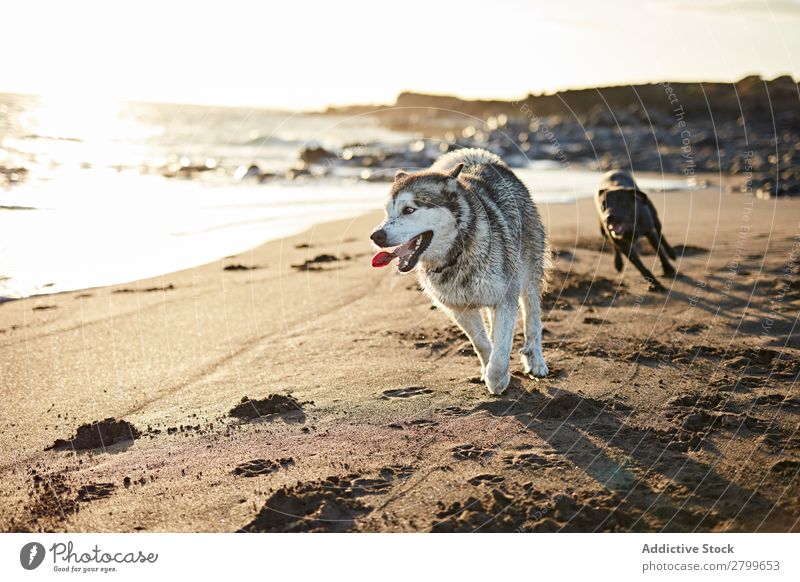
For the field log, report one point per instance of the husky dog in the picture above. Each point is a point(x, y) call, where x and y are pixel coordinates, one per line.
point(470, 228)
point(626, 214)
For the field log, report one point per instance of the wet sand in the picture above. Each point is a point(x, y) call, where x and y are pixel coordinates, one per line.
point(295, 388)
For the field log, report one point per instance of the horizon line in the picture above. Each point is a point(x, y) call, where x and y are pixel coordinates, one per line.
point(334, 106)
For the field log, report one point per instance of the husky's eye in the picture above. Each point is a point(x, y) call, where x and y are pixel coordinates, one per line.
point(409, 210)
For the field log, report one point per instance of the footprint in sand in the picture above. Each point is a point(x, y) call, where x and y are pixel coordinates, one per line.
point(258, 467)
point(333, 504)
point(530, 461)
point(452, 411)
point(470, 451)
point(422, 422)
point(486, 480)
point(692, 328)
point(405, 392)
point(274, 404)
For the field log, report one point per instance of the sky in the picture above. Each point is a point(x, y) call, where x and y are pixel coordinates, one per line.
point(307, 55)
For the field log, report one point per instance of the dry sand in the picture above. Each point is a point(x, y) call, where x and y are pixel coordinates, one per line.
point(673, 412)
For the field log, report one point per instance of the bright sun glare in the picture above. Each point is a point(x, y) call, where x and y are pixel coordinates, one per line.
point(78, 116)
point(299, 56)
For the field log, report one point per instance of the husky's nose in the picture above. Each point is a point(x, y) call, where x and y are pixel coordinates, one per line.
point(379, 237)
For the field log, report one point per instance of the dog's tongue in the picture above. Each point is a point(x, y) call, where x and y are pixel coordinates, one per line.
point(382, 259)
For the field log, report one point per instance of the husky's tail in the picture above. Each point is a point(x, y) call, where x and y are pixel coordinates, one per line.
point(468, 157)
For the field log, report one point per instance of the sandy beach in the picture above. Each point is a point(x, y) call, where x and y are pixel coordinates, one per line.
point(295, 388)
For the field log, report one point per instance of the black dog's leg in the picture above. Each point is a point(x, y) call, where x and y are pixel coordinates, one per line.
point(610, 241)
point(633, 257)
point(617, 259)
point(666, 246)
point(657, 224)
point(660, 246)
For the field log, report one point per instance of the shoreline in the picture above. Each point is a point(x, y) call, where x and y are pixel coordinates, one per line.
point(550, 186)
point(634, 430)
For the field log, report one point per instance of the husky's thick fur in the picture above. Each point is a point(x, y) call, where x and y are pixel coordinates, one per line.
point(469, 226)
point(626, 214)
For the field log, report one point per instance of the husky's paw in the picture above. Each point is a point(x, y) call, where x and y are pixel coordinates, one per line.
point(538, 369)
point(497, 380)
point(533, 365)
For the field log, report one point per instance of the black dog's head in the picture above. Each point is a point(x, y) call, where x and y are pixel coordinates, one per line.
point(619, 213)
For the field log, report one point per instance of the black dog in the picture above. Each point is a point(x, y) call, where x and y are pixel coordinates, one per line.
point(626, 214)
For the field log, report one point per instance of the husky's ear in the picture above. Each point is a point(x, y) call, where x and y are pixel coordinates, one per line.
point(400, 175)
point(455, 171)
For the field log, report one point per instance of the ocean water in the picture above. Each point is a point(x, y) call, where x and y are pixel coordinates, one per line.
point(84, 200)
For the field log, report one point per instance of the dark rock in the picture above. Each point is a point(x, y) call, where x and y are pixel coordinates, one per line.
point(315, 155)
point(294, 173)
point(314, 264)
point(98, 434)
